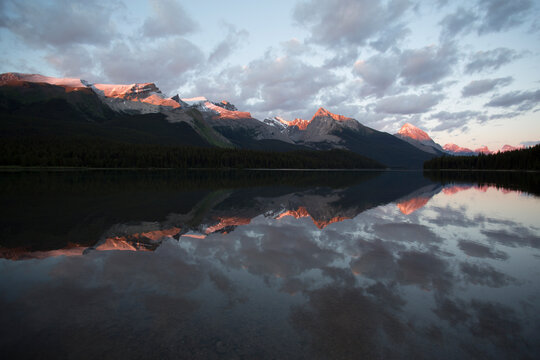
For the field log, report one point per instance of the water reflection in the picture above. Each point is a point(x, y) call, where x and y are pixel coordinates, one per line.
point(268, 265)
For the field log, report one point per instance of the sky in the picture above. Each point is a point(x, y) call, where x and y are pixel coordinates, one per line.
point(467, 72)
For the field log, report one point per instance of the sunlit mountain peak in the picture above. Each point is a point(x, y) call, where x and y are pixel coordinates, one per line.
point(413, 132)
point(322, 112)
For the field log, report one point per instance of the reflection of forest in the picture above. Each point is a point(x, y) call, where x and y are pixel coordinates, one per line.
point(54, 213)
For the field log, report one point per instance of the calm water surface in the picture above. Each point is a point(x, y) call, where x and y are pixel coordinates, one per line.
point(269, 265)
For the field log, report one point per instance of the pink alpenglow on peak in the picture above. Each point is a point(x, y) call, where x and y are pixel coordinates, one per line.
point(411, 131)
point(36, 78)
point(483, 150)
point(300, 123)
point(128, 92)
point(456, 149)
point(322, 112)
point(227, 114)
point(507, 147)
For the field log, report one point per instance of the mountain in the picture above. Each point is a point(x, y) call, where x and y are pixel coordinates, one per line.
point(34, 105)
point(507, 147)
point(483, 150)
point(419, 139)
point(327, 130)
point(457, 150)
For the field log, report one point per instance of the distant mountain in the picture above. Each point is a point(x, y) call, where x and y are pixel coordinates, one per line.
point(37, 105)
point(457, 150)
point(419, 139)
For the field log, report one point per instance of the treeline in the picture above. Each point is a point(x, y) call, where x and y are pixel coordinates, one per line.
point(510, 180)
point(524, 159)
point(92, 153)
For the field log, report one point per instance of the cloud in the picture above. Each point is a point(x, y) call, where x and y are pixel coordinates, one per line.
point(232, 40)
point(427, 65)
point(344, 23)
point(169, 18)
point(165, 62)
point(284, 83)
point(478, 87)
point(60, 23)
point(530, 143)
point(389, 37)
point(294, 47)
point(379, 73)
point(456, 120)
point(527, 99)
point(490, 60)
point(459, 22)
point(407, 104)
point(502, 15)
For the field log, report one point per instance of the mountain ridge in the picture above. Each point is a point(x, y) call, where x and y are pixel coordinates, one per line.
point(213, 123)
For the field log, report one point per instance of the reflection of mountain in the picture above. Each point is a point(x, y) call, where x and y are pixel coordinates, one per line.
point(50, 211)
point(418, 198)
point(73, 212)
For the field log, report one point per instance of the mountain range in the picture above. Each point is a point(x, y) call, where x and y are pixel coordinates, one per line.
point(37, 105)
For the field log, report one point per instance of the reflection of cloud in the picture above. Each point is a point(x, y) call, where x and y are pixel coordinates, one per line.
point(475, 249)
point(377, 263)
point(485, 275)
point(452, 311)
point(425, 270)
point(406, 232)
point(345, 323)
point(520, 237)
point(497, 322)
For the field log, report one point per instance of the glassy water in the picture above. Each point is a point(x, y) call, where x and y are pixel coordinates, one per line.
point(269, 265)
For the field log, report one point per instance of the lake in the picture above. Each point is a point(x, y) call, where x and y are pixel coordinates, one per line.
point(269, 265)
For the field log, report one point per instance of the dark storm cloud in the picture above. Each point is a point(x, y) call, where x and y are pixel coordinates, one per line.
point(407, 104)
point(478, 87)
point(169, 18)
point(344, 23)
point(526, 99)
point(427, 65)
point(502, 14)
point(232, 40)
point(490, 60)
point(460, 22)
point(60, 23)
point(475, 249)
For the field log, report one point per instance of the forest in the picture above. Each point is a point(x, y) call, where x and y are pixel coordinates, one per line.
point(523, 159)
point(92, 153)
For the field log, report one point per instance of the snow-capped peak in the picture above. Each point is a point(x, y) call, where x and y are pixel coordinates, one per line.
point(277, 122)
point(411, 131)
point(322, 112)
point(483, 150)
point(507, 147)
point(198, 100)
point(37, 78)
point(127, 92)
point(456, 149)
